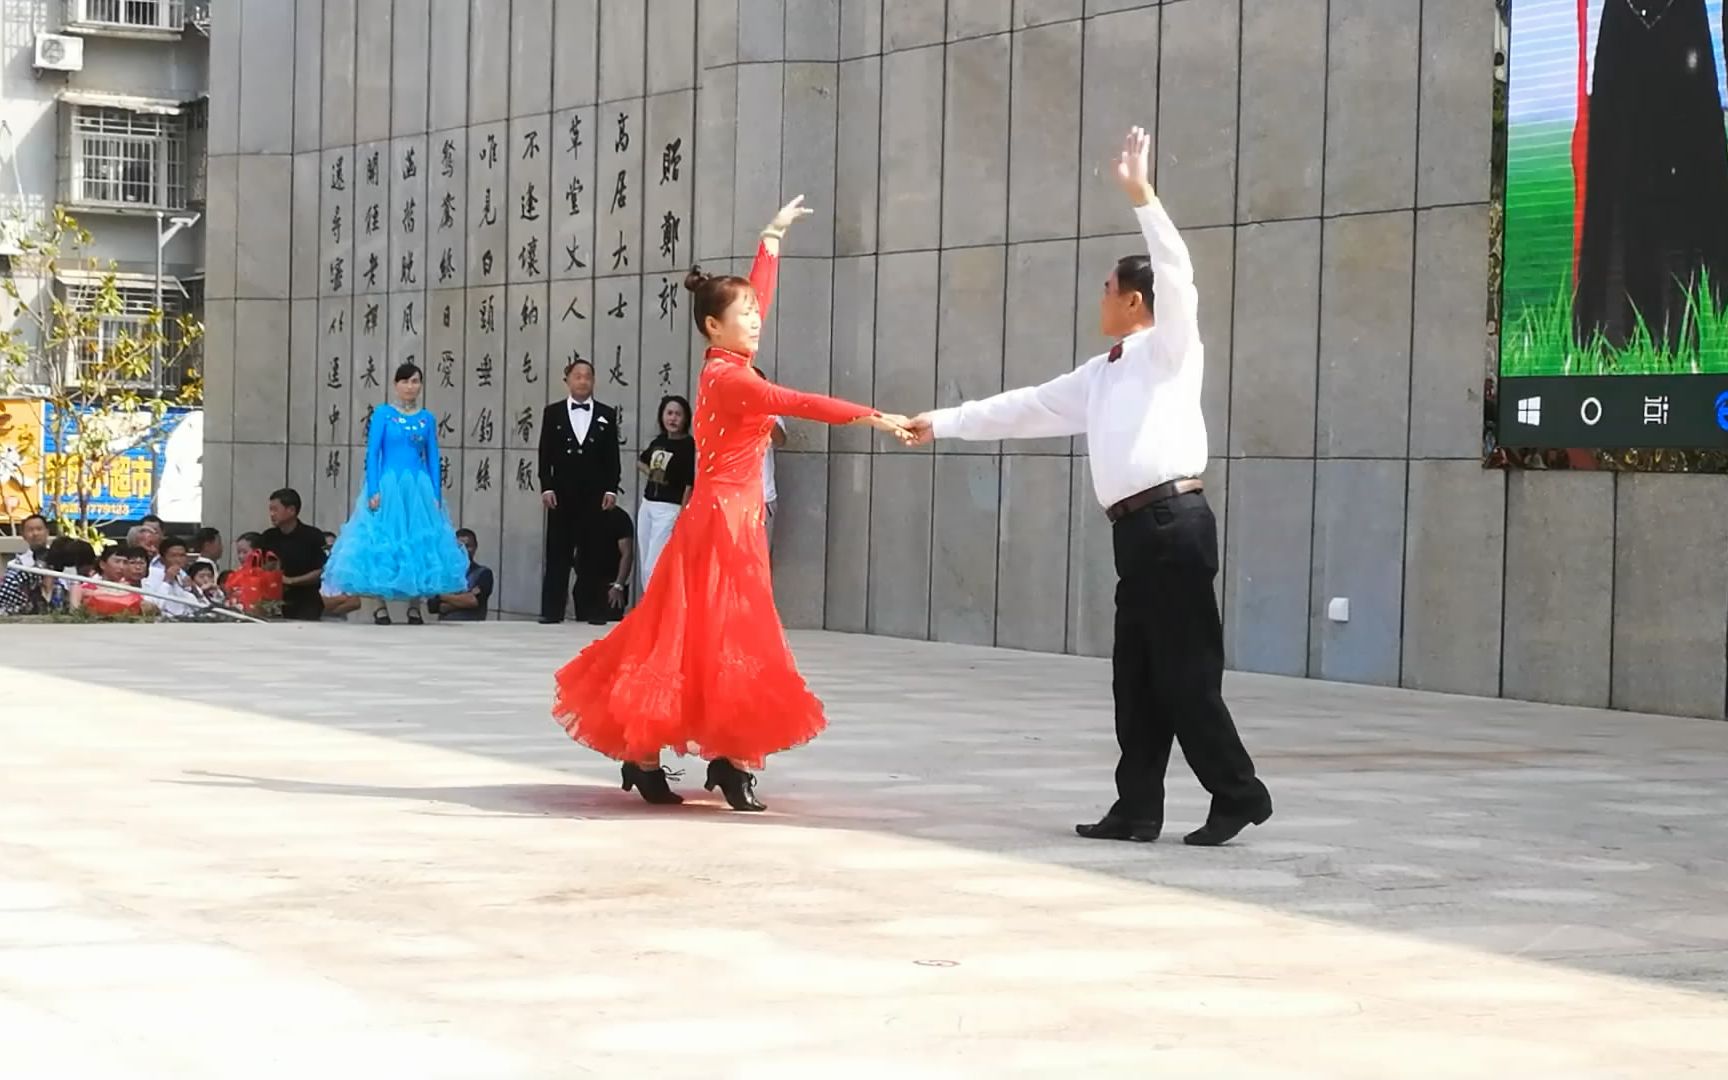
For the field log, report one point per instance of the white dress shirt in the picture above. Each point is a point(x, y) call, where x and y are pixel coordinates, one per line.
point(580, 418)
point(1141, 412)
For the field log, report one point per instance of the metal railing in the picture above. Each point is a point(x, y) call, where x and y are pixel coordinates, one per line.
point(200, 607)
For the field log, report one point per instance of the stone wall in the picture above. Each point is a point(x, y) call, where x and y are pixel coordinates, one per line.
point(1328, 158)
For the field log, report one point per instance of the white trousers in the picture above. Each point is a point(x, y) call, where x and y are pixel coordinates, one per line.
point(654, 523)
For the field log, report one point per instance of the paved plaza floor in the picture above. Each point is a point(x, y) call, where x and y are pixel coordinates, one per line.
point(344, 851)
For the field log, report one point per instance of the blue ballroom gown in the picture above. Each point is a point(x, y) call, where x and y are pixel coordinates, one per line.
point(407, 548)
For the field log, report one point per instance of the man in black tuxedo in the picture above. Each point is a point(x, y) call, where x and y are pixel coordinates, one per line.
point(580, 477)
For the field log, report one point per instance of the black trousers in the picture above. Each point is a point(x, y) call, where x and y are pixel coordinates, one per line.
point(1168, 667)
point(571, 526)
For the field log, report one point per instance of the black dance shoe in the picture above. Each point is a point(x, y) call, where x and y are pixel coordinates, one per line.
point(1113, 827)
point(652, 783)
point(738, 786)
point(1222, 830)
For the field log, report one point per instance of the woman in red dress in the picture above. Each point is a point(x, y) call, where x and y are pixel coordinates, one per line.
point(701, 666)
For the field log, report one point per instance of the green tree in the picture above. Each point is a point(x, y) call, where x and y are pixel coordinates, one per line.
point(99, 365)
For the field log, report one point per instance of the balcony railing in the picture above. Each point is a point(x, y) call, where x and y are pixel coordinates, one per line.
point(147, 15)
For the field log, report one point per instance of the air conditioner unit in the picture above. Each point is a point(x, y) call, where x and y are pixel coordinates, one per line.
point(59, 52)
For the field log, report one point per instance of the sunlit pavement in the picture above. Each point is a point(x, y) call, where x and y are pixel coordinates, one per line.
point(345, 851)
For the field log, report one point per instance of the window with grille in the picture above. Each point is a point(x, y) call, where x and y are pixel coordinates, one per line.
point(123, 158)
point(86, 354)
point(128, 14)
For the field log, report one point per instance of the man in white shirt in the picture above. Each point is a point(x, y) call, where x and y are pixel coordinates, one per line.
point(1139, 407)
point(34, 531)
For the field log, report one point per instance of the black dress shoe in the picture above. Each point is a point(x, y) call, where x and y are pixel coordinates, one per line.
point(738, 786)
point(544, 621)
point(651, 783)
point(1222, 830)
point(1113, 827)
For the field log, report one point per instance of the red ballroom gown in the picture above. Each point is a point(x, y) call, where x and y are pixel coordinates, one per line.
point(701, 666)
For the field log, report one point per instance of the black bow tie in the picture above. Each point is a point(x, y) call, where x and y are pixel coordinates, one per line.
point(583, 405)
point(1115, 352)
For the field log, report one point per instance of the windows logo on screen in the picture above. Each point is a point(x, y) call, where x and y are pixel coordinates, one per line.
point(1530, 411)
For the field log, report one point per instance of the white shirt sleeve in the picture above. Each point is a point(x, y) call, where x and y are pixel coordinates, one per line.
point(1175, 300)
point(1057, 407)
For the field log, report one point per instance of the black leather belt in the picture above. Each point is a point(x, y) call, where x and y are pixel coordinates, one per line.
point(1141, 500)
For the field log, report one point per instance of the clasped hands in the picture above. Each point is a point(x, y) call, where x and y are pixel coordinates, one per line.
point(910, 430)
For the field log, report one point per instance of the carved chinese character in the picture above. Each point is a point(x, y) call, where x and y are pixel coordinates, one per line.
point(529, 257)
point(366, 422)
point(336, 225)
point(488, 213)
point(339, 323)
point(446, 424)
point(669, 236)
point(529, 373)
point(616, 371)
point(623, 141)
point(530, 145)
point(335, 419)
point(530, 314)
point(525, 424)
point(483, 371)
point(670, 160)
point(446, 371)
point(408, 326)
point(333, 467)
point(573, 196)
point(620, 193)
point(408, 216)
point(444, 474)
point(372, 271)
point(447, 265)
point(410, 167)
point(370, 378)
point(372, 169)
point(619, 309)
point(336, 274)
point(372, 219)
point(573, 257)
point(489, 152)
point(407, 275)
point(668, 299)
point(339, 181)
point(489, 314)
point(334, 379)
point(483, 427)
point(666, 376)
point(447, 156)
point(369, 321)
point(483, 475)
point(525, 475)
point(576, 137)
point(530, 205)
point(572, 312)
point(621, 253)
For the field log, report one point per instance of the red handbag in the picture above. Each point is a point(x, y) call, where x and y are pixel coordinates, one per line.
point(253, 585)
point(99, 601)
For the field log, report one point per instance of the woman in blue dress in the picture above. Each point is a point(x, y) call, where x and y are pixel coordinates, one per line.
point(399, 544)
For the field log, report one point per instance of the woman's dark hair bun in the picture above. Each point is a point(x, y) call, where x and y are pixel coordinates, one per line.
point(696, 278)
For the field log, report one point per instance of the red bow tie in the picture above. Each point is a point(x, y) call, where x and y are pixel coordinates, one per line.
point(1115, 352)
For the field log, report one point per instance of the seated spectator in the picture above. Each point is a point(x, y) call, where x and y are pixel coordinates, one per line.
point(115, 565)
point(33, 530)
point(244, 545)
point(207, 545)
point(471, 604)
point(146, 536)
point(23, 593)
point(169, 582)
point(204, 582)
point(222, 581)
point(602, 590)
point(138, 561)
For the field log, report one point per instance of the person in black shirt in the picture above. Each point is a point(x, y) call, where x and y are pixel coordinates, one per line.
point(605, 565)
point(298, 549)
point(470, 604)
point(669, 468)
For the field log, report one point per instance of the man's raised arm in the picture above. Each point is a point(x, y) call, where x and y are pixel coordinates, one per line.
point(1175, 301)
